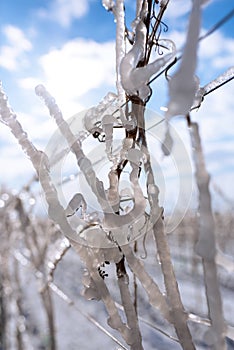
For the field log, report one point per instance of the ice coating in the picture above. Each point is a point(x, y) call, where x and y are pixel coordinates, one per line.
point(93, 118)
point(183, 85)
point(120, 45)
point(75, 203)
point(214, 84)
point(220, 80)
point(83, 162)
point(41, 165)
point(206, 245)
point(113, 221)
point(108, 122)
point(135, 79)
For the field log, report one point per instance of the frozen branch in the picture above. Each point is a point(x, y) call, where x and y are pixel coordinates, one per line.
point(205, 246)
point(120, 45)
point(128, 306)
point(213, 85)
point(83, 162)
point(155, 296)
point(41, 164)
point(178, 316)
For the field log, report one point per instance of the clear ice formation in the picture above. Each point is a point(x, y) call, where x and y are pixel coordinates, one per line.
point(184, 84)
point(214, 84)
point(135, 79)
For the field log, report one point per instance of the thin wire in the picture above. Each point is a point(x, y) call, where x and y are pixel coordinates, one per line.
point(149, 324)
point(218, 86)
point(223, 20)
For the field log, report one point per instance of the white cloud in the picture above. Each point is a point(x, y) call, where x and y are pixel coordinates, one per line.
point(178, 8)
point(12, 54)
point(65, 11)
point(74, 70)
point(29, 83)
point(219, 49)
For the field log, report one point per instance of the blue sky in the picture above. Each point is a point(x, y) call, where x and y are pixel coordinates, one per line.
point(68, 45)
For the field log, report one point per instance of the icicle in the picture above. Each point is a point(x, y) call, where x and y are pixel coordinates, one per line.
point(108, 122)
point(113, 191)
point(139, 4)
point(184, 85)
point(168, 142)
point(113, 221)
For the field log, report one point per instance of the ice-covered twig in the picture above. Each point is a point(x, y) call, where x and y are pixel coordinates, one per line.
point(128, 306)
point(205, 246)
point(221, 80)
point(184, 85)
point(120, 46)
point(93, 118)
point(178, 316)
point(155, 296)
point(56, 256)
point(92, 259)
point(83, 162)
point(41, 165)
point(62, 295)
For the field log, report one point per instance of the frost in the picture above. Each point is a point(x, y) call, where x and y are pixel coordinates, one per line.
point(184, 85)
